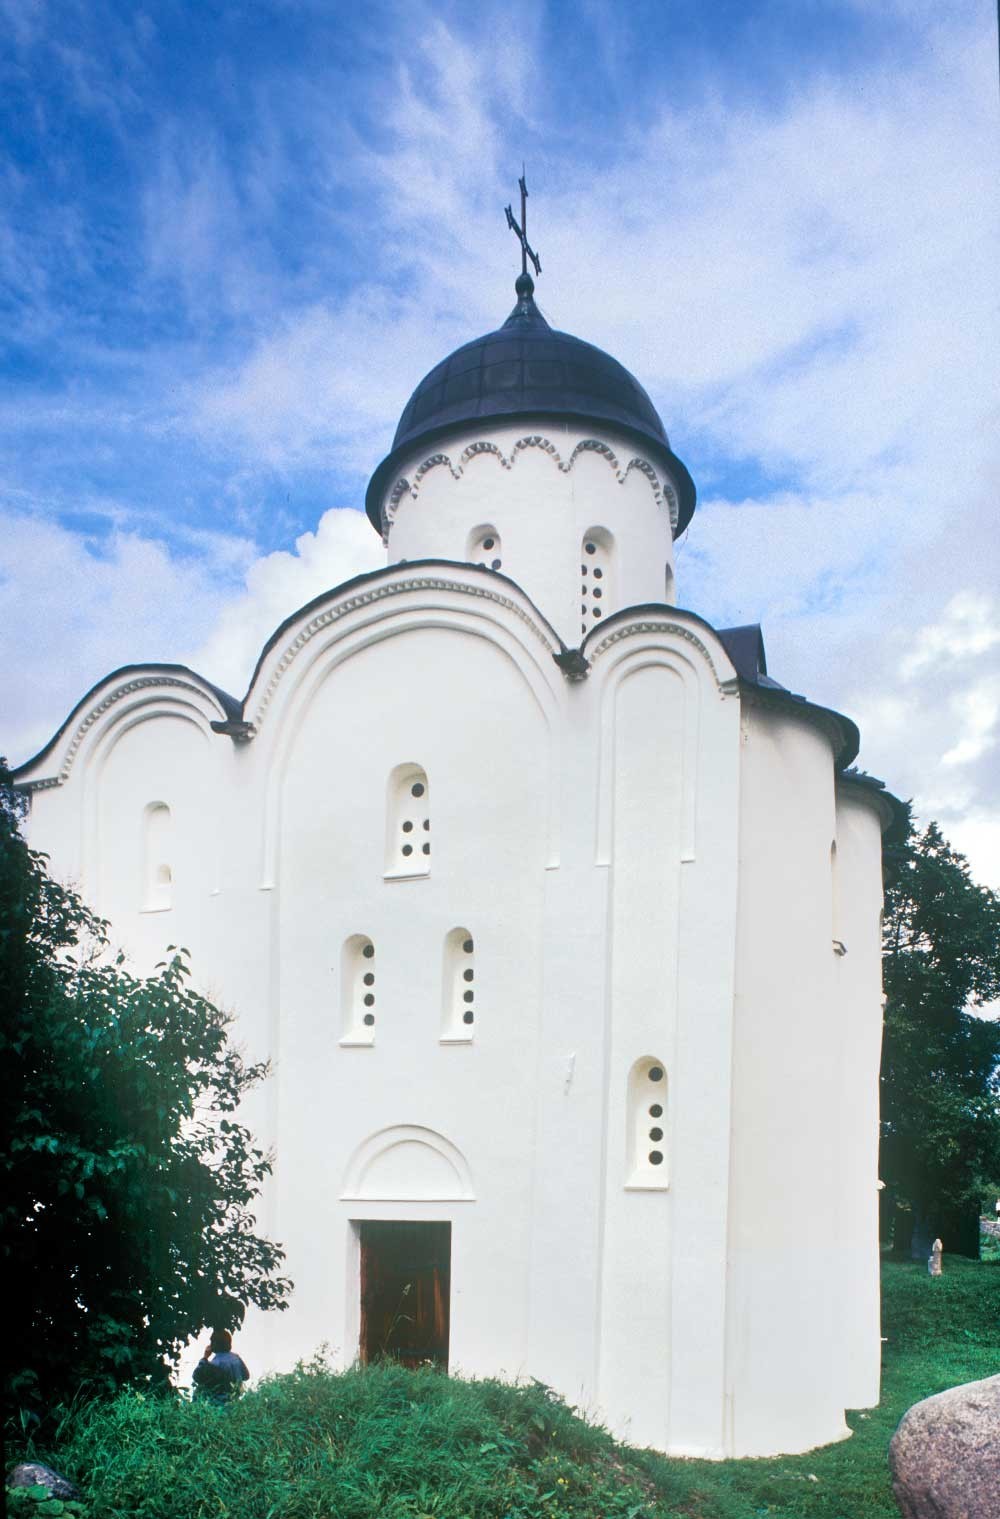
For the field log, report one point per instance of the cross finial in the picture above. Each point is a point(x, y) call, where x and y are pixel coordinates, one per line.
point(521, 231)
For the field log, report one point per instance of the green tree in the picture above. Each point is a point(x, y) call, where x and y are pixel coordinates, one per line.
point(125, 1224)
point(940, 1089)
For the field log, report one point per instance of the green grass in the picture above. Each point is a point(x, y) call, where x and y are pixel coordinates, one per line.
point(989, 1247)
point(398, 1444)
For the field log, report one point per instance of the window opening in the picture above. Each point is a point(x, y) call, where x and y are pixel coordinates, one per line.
point(158, 876)
point(458, 1012)
point(836, 933)
point(485, 547)
point(408, 823)
point(596, 575)
point(646, 1133)
point(357, 990)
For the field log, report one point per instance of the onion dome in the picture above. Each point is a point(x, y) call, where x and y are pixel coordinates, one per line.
point(527, 368)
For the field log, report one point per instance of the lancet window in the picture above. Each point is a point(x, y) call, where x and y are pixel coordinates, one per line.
point(157, 868)
point(647, 1123)
point(839, 947)
point(408, 823)
point(357, 995)
point(458, 1012)
point(596, 575)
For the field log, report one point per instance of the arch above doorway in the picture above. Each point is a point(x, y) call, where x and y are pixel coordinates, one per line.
point(408, 1163)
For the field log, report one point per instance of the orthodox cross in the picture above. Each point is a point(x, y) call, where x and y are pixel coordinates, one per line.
point(521, 232)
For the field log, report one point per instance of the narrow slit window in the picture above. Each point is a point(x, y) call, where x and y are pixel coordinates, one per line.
point(458, 1012)
point(596, 577)
point(157, 868)
point(358, 993)
point(408, 823)
point(485, 547)
point(836, 932)
point(646, 1137)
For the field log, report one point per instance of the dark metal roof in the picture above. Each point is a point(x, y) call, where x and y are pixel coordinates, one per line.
point(527, 368)
point(899, 827)
point(745, 647)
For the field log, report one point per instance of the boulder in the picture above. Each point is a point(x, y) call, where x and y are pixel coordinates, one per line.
point(945, 1454)
point(37, 1474)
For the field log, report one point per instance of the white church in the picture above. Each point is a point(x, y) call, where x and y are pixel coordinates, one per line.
point(557, 917)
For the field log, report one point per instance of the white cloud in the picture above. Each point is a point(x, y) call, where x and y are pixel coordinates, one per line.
point(325, 387)
point(344, 545)
point(928, 698)
point(970, 627)
point(133, 599)
point(977, 836)
point(83, 610)
point(978, 712)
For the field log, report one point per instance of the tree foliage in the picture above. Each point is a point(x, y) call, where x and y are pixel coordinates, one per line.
point(127, 1184)
point(940, 1088)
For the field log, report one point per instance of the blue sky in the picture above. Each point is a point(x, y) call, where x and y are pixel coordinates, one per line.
point(234, 236)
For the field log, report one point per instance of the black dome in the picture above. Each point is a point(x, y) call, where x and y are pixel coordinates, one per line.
point(528, 368)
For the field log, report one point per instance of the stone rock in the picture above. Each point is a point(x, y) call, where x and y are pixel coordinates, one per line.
point(945, 1454)
point(37, 1474)
point(934, 1259)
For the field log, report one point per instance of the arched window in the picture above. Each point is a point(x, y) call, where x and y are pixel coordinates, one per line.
point(646, 1137)
point(157, 852)
point(596, 577)
point(357, 990)
point(668, 585)
point(408, 823)
point(458, 1009)
point(485, 546)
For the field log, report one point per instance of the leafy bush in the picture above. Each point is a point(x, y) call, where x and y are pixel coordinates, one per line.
point(127, 1186)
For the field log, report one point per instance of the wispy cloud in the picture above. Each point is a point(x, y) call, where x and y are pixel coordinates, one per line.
point(968, 629)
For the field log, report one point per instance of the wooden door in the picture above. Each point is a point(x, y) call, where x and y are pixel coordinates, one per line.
point(405, 1292)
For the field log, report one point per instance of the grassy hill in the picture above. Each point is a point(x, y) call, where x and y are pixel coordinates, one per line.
point(401, 1444)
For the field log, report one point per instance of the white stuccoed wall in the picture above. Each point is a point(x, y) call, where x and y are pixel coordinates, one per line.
point(643, 860)
point(858, 926)
point(784, 1300)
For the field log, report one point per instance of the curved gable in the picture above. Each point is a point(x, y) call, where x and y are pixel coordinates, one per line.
point(130, 694)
